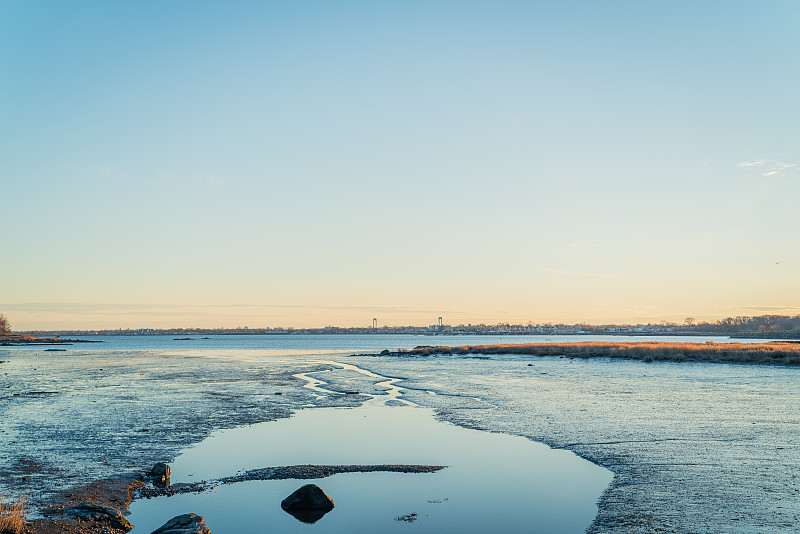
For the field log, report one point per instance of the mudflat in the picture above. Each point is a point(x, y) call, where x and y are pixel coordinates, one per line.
point(694, 446)
point(85, 426)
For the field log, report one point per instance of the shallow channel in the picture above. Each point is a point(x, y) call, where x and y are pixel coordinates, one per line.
point(491, 482)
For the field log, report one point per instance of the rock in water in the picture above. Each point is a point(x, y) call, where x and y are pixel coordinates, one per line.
point(308, 504)
point(160, 472)
point(184, 524)
point(309, 497)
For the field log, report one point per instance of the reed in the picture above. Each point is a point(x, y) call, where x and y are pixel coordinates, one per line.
point(12, 515)
point(759, 353)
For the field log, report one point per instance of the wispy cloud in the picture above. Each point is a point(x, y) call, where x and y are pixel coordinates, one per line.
point(770, 167)
point(773, 310)
point(190, 181)
point(89, 308)
point(585, 274)
point(83, 315)
point(104, 171)
point(213, 181)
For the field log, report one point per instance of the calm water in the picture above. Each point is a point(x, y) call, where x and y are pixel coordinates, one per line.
point(348, 342)
point(493, 481)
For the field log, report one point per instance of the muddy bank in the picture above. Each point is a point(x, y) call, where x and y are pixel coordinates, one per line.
point(297, 472)
point(117, 494)
point(773, 353)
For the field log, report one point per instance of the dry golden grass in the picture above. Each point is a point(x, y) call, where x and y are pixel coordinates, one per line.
point(12, 515)
point(762, 353)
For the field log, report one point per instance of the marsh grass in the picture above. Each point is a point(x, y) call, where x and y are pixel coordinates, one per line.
point(759, 353)
point(12, 515)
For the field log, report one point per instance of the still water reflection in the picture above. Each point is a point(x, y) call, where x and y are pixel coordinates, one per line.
point(493, 482)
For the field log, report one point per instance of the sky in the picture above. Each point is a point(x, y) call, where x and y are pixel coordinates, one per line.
point(223, 164)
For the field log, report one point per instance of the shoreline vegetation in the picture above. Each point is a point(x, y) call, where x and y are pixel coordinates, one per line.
point(12, 514)
point(772, 353)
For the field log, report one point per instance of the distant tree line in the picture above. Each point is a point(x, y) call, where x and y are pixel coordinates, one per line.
point(759, 324)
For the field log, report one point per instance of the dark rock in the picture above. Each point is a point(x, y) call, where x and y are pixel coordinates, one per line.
point(184, 524)
point(308, 497)
point(160, 470)
point(308, 504)
point(95, 512)
point(385, 352)
point(160, 473)
point(408, 518)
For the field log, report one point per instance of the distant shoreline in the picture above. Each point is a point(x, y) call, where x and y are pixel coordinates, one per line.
point(55, 334)
point(15, 340)
point(772, 353)
point(787, 336)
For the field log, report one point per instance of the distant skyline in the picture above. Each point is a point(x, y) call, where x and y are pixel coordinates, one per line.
point(61, 316)
point(199, 164)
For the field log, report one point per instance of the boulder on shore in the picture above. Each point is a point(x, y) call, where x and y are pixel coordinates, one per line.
point(94, 512)
point(184, 524)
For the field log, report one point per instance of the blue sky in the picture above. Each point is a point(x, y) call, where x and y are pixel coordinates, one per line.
point(285, 163)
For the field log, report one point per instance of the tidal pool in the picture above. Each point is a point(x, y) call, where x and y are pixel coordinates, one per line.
point(491, 482)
